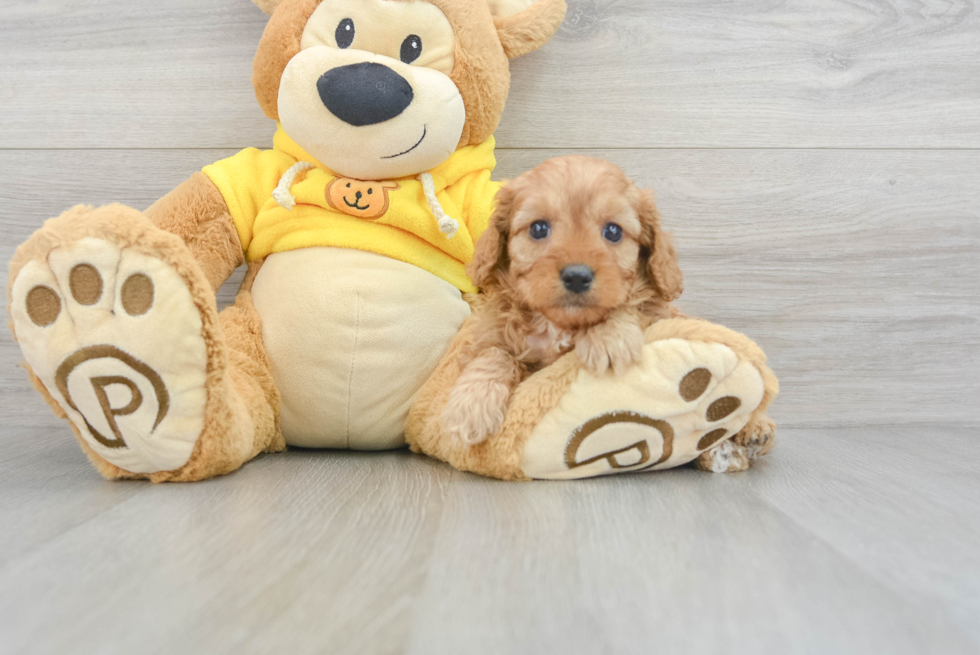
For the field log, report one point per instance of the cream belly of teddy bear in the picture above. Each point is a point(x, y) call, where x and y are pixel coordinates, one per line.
point(352, 336)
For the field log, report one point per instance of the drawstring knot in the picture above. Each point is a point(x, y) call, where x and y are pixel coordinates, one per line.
point(447, 225)
point(283, 196)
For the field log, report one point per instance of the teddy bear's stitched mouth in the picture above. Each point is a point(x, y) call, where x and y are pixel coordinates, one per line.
point(424, 132)
point(356, 204)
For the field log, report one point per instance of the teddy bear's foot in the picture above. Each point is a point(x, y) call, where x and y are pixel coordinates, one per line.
point(119, 327)
point(683, 399)
point(115, 337)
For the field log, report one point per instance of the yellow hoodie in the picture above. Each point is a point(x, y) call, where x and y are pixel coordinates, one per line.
point(401, 225)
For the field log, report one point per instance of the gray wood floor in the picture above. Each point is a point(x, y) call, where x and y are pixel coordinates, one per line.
point(819, 162)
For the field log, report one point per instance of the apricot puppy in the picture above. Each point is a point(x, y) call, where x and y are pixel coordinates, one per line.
point(574, 259)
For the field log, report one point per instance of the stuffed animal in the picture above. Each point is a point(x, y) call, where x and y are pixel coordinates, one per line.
point(357, 227)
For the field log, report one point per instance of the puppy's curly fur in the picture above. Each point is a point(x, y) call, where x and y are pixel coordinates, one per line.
point(527, 316)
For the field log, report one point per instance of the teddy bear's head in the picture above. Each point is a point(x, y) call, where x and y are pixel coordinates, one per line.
point(382, 89)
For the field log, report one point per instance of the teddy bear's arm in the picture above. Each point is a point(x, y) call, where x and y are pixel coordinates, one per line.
point(197, 213)
point(214, 210)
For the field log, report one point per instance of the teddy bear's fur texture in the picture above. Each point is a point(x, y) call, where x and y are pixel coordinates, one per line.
point(191, 235)
point(196, 212)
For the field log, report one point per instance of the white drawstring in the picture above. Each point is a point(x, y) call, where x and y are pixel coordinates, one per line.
point(282, 194)
point(447, 225)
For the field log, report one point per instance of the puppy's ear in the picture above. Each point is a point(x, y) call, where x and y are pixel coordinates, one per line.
point(525, 25)
point(661, 264)
point(491, 256)
point(268, 6)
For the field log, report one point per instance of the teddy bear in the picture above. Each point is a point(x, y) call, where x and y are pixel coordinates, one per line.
point(356, 228)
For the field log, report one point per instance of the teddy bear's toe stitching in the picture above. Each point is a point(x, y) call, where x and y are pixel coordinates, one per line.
point(710, 439)
point(85, 284)
point(137, 294)
point(42, 305)
point(722, 408)
point(695, 384)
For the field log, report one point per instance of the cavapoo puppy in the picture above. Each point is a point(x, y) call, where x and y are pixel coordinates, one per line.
point(574, 259)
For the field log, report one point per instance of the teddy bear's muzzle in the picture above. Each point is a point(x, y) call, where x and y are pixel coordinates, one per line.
point(365, 93)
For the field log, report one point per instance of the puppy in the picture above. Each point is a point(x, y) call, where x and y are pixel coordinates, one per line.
point(573, 259)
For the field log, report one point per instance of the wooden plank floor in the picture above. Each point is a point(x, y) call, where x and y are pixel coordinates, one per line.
point(819, 163)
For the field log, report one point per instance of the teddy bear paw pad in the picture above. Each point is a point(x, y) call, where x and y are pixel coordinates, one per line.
point(116, 339)
point(683, 399)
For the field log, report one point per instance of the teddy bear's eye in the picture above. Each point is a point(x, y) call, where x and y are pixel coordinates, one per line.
point(411, 49)
point(540, 230)
point(345, 34)
point(370, 191)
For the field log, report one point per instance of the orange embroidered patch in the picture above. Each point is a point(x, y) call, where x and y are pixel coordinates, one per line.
point(359, 199)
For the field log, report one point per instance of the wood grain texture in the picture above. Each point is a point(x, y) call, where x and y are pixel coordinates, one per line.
point(716, 564)
point(625, 73)
point(814, 551)
point(857, 271)
point(168, 554)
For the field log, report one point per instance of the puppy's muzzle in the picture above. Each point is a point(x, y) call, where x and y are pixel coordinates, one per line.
point(364, 94)
point(577, 278)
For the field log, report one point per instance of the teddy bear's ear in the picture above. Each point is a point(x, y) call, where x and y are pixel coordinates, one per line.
point(525, 25)
point(268, 6)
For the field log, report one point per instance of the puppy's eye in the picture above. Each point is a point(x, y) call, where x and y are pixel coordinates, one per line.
point(540, 230)
point(345, 34)
point(612, 233)
point(411, 49)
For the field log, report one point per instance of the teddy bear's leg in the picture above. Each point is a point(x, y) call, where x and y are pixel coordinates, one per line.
point(118, 324)
point(697, 386)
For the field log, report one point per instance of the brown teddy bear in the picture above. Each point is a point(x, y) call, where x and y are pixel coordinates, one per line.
point(357, 227)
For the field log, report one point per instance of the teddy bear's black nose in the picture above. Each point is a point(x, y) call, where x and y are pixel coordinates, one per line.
point(364, 94)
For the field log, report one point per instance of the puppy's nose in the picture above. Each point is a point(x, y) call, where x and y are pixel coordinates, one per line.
point(364, 94)
point(577, 278)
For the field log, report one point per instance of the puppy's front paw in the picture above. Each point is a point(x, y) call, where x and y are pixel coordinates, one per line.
point(613, 344)
point(473, 415)
point(727, 457)
point(753, 441)
point(758, 437)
